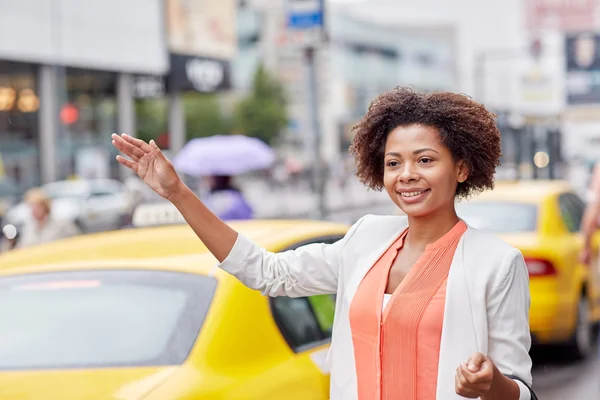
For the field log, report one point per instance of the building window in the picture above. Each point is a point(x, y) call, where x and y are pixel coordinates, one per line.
point(88, 116)
point(19, 131)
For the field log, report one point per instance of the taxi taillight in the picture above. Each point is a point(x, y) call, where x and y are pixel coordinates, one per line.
point(539, 267)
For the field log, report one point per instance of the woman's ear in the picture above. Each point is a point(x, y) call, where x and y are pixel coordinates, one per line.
point(462, 171)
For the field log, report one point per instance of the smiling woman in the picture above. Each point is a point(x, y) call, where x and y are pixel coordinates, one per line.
point(396, 283)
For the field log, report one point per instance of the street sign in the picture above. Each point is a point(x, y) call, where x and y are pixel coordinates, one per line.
point(304, 24)
point(305, 14)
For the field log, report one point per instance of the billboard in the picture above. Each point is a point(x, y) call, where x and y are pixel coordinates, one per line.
point(202, 28)
point(561, 15)
point(582, 54)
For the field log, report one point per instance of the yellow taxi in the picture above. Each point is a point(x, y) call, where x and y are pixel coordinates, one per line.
point(542, 219)
point(144, 313)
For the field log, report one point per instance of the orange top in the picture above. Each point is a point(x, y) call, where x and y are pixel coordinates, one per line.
point(397, 349)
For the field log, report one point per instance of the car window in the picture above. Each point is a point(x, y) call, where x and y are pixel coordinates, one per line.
point(60, 190)
point(578, 207)
point(499, 217)
point(101, 193)
point(101, 319)
point(324, 308)
point(110, 187)
point(297, 322)
point(571, 209)
point(305, 321)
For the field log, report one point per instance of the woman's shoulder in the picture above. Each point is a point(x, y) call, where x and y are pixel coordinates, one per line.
point(381, 226)
point(489, 255)
point(477, 241)
point(371, 232)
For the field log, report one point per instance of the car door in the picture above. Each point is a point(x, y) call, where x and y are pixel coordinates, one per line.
point(104, 206)
point(572, 209)
point(98, 213)
point(592, 272)
point(570, 246)
point(306, 324)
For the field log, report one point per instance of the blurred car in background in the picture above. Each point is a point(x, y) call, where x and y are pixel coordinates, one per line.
point(93, 205)
point(145, 313)
point(543, 219)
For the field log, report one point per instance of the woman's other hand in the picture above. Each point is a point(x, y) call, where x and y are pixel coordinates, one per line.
point(474, 378)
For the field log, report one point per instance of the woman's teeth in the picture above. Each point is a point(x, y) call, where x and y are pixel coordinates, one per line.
point(412, 194)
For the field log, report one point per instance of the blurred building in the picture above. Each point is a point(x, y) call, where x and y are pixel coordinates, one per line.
point(66, 73)
point(369, 58)
point(70, 72)
point(360, 60)
point(511, 56)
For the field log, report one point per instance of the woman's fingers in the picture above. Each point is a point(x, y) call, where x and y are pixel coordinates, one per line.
point(145, 147)
point(128, 163)
point(126, 148)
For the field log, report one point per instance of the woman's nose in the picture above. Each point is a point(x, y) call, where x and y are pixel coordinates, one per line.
point(408, 173)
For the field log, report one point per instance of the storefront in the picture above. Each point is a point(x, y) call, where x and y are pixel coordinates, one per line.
point(19, 129)
point(68, 84)
point(88, 115)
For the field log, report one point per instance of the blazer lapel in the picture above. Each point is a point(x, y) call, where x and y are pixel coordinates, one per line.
point(459, 339)
point(364, 263)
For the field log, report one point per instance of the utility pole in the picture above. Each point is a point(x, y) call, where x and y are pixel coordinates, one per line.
point(318, 171)
point(307, 17)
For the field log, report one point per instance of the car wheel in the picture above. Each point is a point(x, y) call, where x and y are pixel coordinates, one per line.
point(581, 343)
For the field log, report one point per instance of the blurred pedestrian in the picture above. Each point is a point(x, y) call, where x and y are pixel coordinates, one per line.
point(41, 227)
point(463, 293)
point(226, 200)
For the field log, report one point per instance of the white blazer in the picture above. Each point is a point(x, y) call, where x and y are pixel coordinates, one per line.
point(487, 298)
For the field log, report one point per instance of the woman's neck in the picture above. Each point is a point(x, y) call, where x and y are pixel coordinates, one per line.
point(428, 229)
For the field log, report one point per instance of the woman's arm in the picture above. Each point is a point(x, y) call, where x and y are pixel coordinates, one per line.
point(306, 271)
point(503, 388)
point(509, 334)
point(309, 270)
point(218, 237)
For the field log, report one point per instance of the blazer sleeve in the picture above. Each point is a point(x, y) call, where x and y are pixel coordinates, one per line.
point(306, 271)
point(508, 311)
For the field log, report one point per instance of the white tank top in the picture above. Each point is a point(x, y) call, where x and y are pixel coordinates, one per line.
point(386, 299)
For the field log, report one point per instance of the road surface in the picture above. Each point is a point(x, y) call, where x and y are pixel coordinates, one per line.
point(555, 377)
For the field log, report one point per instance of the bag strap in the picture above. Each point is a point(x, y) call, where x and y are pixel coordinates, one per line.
point(516, 378)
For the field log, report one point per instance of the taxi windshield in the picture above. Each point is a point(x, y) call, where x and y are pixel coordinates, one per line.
point(499, 217)
point(95, 319)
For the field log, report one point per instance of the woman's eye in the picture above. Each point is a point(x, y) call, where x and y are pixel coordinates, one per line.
point(392, 163)
point(425, 160)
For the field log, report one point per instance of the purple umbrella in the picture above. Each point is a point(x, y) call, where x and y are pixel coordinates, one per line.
point(223, 155)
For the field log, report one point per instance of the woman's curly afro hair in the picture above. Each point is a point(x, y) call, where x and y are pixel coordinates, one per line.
point(466, 128)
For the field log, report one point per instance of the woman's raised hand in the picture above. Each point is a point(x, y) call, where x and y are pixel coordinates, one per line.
point(149, 163)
